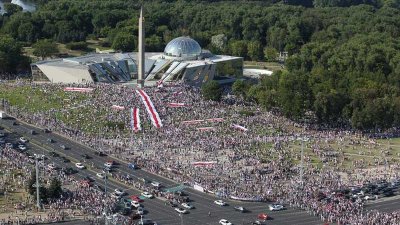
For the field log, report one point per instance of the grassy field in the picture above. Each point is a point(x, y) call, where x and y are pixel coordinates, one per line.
point(273, 66)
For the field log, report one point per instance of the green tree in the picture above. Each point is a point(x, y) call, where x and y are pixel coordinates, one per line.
point(11, 58)
point(124, 42)
point(270, 54)
point(240, 88)
point(11, 8)
point(45, 48)
point(211, 91)
point(54, 191)
point(254, 50)
point(238, 48)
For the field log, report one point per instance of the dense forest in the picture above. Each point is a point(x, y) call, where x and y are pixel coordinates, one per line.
point(344, 63)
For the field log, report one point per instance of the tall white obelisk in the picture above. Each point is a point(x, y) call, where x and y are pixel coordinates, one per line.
point(140, 80)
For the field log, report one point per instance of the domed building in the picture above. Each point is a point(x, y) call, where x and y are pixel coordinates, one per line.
point(183, 60)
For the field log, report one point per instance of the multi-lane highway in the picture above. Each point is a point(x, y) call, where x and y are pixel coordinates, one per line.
point(156, 208)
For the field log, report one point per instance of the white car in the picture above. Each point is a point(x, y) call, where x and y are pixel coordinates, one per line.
point(79, 165)
point(119, 192)
point(147, 195)
point(114, 195)
point(21, 147)
point(51, 166)
point(155, 184)
point(140, 211)
point(182, 211)
point(135, 204)
point(276, 207)
point(220, 202)
point(108, 164)
point(187, 205)
point(2, 135)
point(101, 175)
point(23, 139)
point(225, 222)
point(371, 197)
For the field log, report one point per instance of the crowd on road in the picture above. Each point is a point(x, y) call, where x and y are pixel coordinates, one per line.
point(76, 201)
point(260, 163)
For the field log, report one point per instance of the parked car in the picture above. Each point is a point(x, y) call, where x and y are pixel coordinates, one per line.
point(276, 207)
point(225, 222)
point(79, 165)
point(181, 211)
point(147, 195)
point(187, 205)
point(220, 202)
point(240, 208)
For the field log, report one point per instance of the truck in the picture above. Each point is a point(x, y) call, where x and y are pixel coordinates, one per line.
point(2, 115)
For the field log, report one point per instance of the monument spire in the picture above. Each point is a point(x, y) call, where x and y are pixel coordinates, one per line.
point(141, 70)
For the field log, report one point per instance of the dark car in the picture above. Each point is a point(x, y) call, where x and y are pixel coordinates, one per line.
point(99, 187)
point(54, 154)
point(65, 160)
point(50, 140)
point(46, 130)
point(70, 171)
point(171, 203)
point(89, 178)
point(32, 132)
point(86, 156)
point(100, 154)
point(14, 123)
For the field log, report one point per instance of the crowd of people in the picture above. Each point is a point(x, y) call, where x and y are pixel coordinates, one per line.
point(76, 200)
point(260, 162)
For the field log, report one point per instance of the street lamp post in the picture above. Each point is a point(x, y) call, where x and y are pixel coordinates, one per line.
point(37, 182)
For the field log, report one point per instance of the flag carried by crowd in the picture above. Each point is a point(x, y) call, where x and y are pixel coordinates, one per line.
point(135, 120)
point(76, 89)
point(151, 110)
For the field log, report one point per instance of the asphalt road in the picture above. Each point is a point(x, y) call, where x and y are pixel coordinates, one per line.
point(156, 209)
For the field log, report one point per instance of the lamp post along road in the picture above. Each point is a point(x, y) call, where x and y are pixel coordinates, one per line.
point(37, 182)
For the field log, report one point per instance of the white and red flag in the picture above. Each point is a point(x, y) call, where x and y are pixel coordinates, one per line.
point(206, 128)
point(135, 120)
point(151, 110)
point(175, 104)
point(204, 164)
point(117, 107)
point(242, 128)
point(215, 120)
point(76, 89)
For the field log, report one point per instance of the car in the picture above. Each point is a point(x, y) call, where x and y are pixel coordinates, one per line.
point(46, 130)
point(70, 171)
point(220, 202)
point(370, 197)
point(127, 205)
point(2, 134)
point(100, 154)
point(108, 164)
point(32, 132)
point(180, 210)
point(257, 222)
point(50, 140)
point(262, 216)
point(155, 184)
point(135, 204)
point(135, 198)
point(107, 169)
point(119, 192)
point(79, 165)
point(114, 195)
point(132, 166)
point(54, 154)
point(147, 194)
point(225, 222)
point(240, 208)
point(9, 145)
point(23, 139)
point(65, 160)
point(187, 206)
point(101, 175)
point(14, 123)
point(22, 147)
point(86, 156)
point(63, 147)
point(2, 141)
point(276, 207)
point(90, 179)
point(140, 211)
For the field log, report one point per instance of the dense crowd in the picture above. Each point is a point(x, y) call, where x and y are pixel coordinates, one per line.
point(258, 164)
point(77, 200)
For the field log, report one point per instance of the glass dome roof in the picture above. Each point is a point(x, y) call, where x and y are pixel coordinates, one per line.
point(182, 47)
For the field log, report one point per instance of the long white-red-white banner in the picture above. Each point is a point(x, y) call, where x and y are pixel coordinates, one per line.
point(117, 107)
point(242, 128)
point(206, 163)
point(135, 120)
point(151, 110)
point(206, 128)
point(205, 120)
point(78, 89)
point(175, 104)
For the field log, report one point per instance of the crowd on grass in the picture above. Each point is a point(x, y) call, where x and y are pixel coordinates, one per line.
point(259, 164)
